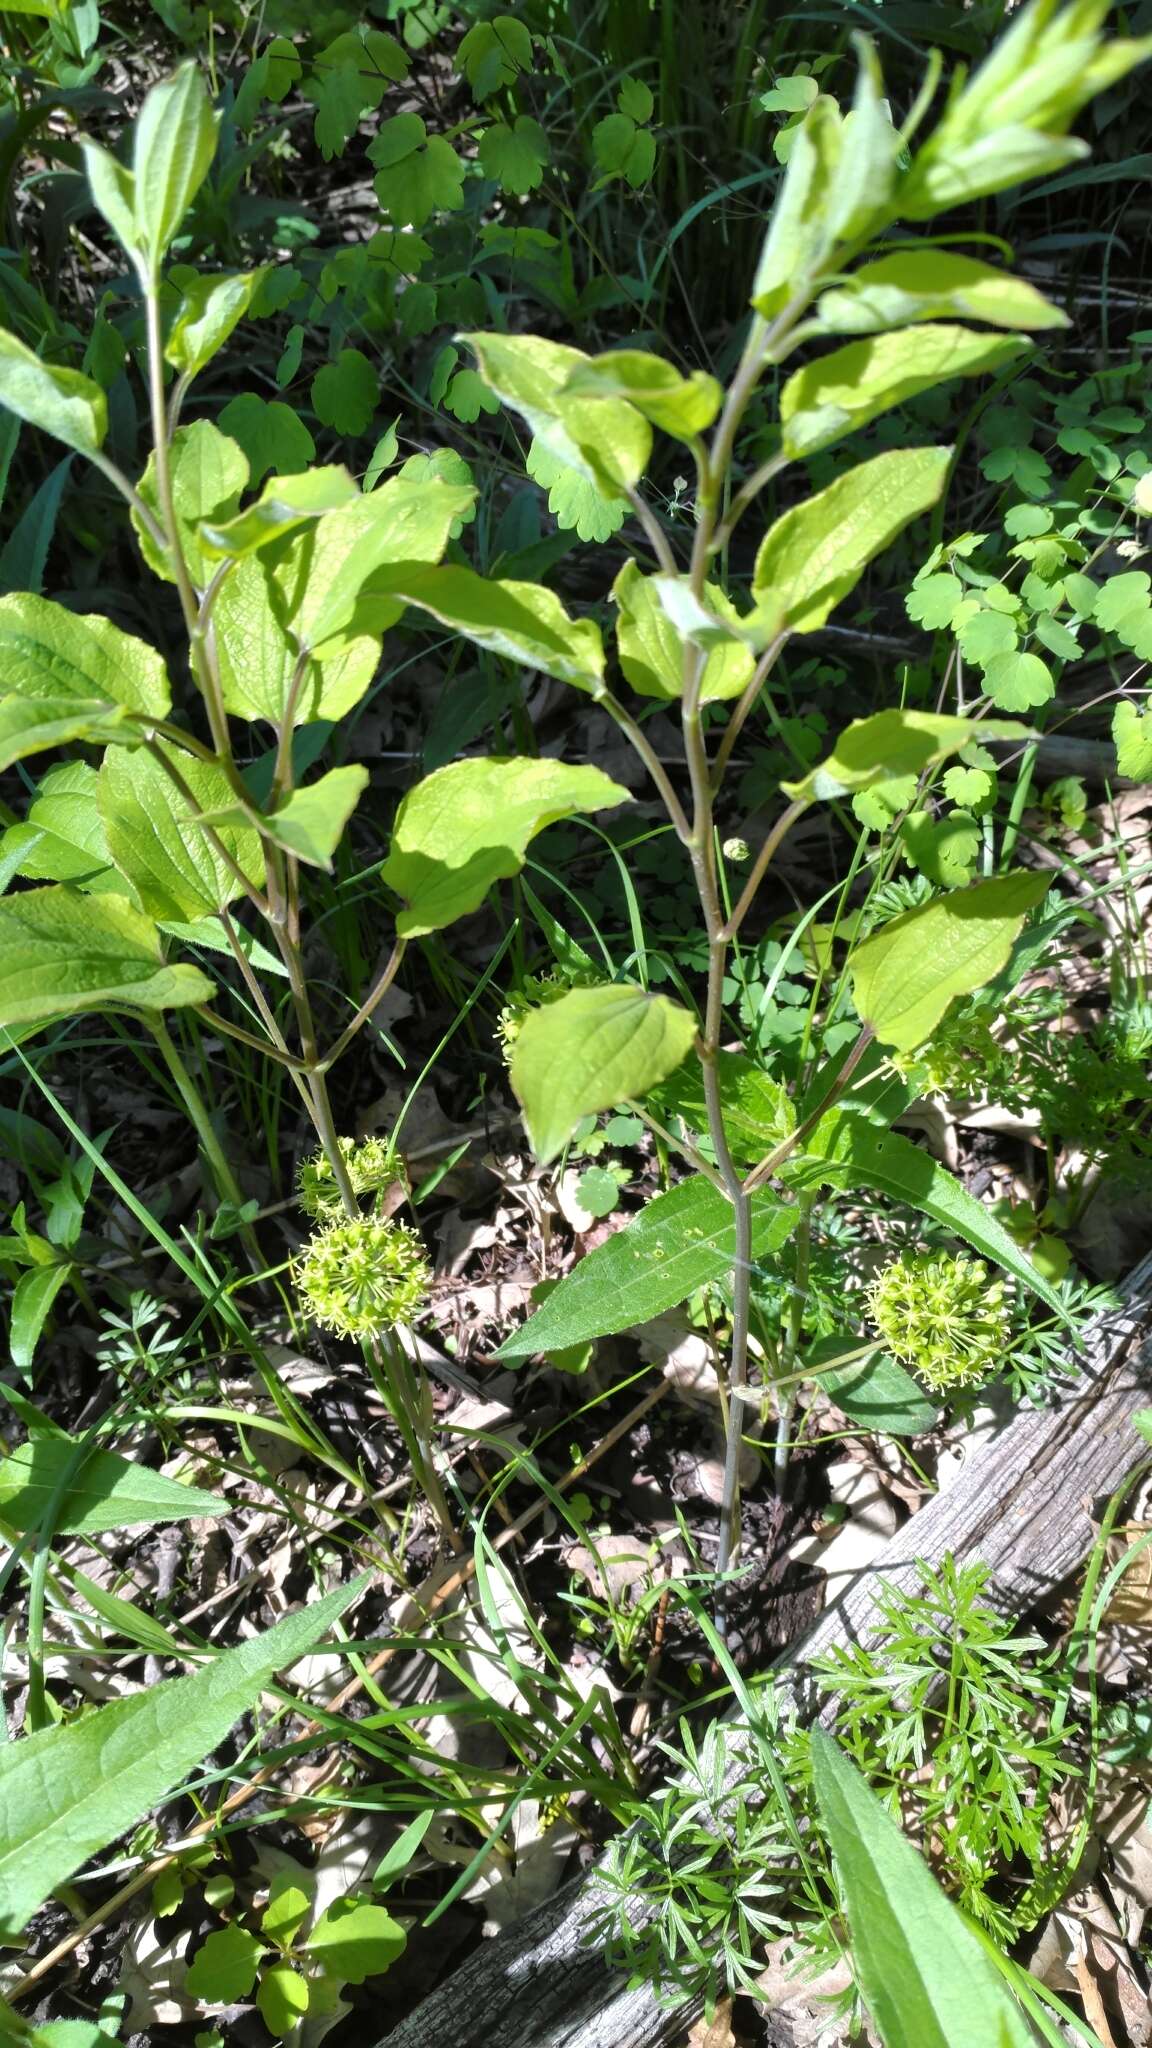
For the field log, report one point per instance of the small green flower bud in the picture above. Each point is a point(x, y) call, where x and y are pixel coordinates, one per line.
point(370, 1164)
point(360, 1276)
point(943, 1316)
point(736, 850)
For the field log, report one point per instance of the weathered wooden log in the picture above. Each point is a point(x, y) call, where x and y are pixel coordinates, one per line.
point(1026, 1506)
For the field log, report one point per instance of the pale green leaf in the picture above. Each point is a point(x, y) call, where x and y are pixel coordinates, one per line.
point(933, 284)
point(468, 825)
point(30, 725)
point(925, 1979)
point(604, 439)
point(799, 237)
point(356, 1940)
point(575, 502)
point(876, 1392)
point(839, 393)
point(258, 657)
point(680, 1241)
point(757, 1110)
point(310, 823)
point(1016, 681)
point(521, 621)
point(651, 649)
point(1132, 735)
point(946, 849)
point(87, 1491)
point(173, 146)
point(209, 471)
point(891, 744)
point(287, 1909)
point(32, 1299)
point(60, 402)
point(113, 189)
point(327, 567)
point(158, 844)
point(283, 1998)
point(50, 653)
point(70, 1790)
point(816, 553)
point(63, 834)
point(223, 1970)
point(61, 952)
point(905, 976)
point(210, 309)
point(683, 406)
point(284, 503)
point(592, 1049)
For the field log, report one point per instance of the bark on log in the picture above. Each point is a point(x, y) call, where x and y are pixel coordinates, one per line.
point(1026, 1506)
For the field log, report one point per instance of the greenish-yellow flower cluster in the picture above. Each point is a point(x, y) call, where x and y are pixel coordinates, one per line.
point(943, 1316)
point(370, 1163)
point(361, 1275)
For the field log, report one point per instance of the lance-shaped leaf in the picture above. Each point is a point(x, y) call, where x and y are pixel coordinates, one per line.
point(924, 1977)
point(210, 309)
point(816, 553)
point(856, 1154)
point(157, 838)
point(521, 621)
point(61, 952)
point(174, 142)
point(284, 503)
point(329, 567)
point(651, 648)
point(68, 1791)
point(800, 232)
point(678, 405)
point(905, 976)
point(592, 1049)
point(679, 1242)
point(61, 402)
point(895, 743)
point(840, 393)
point(933, 284)
point(604, 439)
point(30, 725)
point(85, 1491)
point(469, 825)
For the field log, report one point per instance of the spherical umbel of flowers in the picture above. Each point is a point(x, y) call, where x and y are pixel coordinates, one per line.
point(360, 1276)
point(944, 1316)
point(369, 1163)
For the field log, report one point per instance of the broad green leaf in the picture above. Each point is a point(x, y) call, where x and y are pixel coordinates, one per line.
point(284, 503)
point(575, 502)
point(223, 1970)
point(355, 1940)
point(68, 1791)
point(891, 744)
point(209, 471)
point(521, 621)
point(515, 156)
point(622, 150)
point(945, 849)
point(468, 825)
point(933, 284)
point(30, 725)
point(210, 309)
point(155, 839)
point(272, 435)
point(258, 657)
point(50, 653)
point(32, 1299)
point(283, 1998)
point(592, 1049)
point(287, 1909)
point(62, 838)
point(604, 439)
point(329, 566)
point(417, 174)
point(839, 393)
point(683, 406)
point(310, 823)
point(905, 976)
point(345, 393)
point(87, 1491)
point(861, 190)
point(652, 650)
point(924, 1977)
point(816, 553)
point(1132, 736)
point(757, 1110)
point(1018, 681)
point(174, 141)
point(493, 53)
point(799, 237)
point(61, 952)
point(63, 403)
point(876, 1392)
point(679, 1242)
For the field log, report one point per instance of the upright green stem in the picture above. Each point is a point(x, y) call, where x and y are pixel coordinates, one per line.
point(196, 1110)
point(786, 1402)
